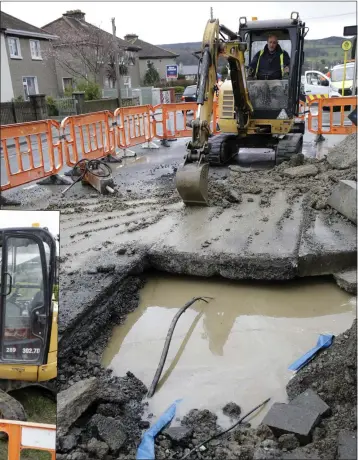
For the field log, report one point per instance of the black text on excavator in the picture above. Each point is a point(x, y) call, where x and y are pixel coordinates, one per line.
point(252, 113)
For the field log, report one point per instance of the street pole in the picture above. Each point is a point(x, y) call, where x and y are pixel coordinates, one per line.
point(355, 76)
point(115, 45)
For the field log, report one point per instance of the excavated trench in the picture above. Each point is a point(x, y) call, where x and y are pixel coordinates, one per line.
point(236, 348)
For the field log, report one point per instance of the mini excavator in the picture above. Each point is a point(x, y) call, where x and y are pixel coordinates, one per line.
point(252, 113)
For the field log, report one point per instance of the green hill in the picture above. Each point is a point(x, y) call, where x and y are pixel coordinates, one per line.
point(319, 54)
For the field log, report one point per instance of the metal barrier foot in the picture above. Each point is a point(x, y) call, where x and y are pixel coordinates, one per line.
point(112, 159)
point(320, 138)
point(125, 154)
point(74, 172)
point(150, 145)
point(164, 143)
point(54, 180)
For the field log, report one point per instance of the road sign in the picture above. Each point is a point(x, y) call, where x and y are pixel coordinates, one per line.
point(346, 45)
point(172, 71)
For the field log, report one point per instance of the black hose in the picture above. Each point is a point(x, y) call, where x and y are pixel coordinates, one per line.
point(224, 432)
point(167, 343)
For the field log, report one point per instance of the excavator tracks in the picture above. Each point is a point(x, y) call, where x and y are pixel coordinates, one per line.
point(290, 145)
point(223, 147)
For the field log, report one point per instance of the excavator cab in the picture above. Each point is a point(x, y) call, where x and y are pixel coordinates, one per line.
point(271, 97)
point(28, 322)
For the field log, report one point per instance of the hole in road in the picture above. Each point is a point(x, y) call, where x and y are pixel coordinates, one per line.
point(235, 348)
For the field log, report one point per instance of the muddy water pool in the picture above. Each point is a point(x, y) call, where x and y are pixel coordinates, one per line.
point(238, 347)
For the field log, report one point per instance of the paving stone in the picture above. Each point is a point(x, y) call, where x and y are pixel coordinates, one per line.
point(178, 434)
point(288, 418)
point(311, 400)
point(347, 445)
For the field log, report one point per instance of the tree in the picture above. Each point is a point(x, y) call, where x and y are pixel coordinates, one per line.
point(151, 76)
point(87, 53)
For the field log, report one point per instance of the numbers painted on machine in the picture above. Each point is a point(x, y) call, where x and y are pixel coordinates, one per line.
point(31, 351)
point(11, 349)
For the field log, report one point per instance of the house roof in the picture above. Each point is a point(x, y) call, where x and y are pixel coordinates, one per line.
point(61, 25)
point(11, 25)
point(148, 50)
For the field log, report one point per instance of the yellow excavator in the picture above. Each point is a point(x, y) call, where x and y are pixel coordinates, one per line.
point(28, 315)
point(252, 113)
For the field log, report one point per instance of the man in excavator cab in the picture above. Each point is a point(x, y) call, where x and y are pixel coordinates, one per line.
point(271, 63)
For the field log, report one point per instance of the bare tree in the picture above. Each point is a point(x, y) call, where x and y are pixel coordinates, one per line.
point(87, 52)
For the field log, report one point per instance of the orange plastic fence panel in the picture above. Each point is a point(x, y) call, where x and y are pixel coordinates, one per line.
point(168, 124)
point(337, 122)
point(26, 435)
point(88, 136)
point(133, 126)
point(30, 152)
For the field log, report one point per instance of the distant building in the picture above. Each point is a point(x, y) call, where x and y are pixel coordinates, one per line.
point(152, 54)
point(78, 37)
point(189, 71)
point(26, 67)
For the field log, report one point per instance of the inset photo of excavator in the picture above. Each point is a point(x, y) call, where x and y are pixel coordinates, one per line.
point(29, 290)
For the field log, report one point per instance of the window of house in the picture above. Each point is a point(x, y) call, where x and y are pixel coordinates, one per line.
point(14, 47)
point(35, 49)
point(67, 83)
point(30, 86)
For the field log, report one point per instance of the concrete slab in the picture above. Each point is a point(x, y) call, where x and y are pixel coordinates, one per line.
point(327, 246)
point(344, 199)
point(247, 241)
point(311, 400)
point(288, 418)
point(347, 280)
point(347, 445)
point(74, 401)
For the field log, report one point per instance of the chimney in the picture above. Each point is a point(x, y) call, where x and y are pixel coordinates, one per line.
point(75, 14)
point(130, 37)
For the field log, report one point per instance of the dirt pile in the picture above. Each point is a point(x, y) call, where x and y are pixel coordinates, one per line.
point(344, 155)
point(313, 178)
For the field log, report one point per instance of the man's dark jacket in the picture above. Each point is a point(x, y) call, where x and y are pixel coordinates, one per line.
point(270, 63)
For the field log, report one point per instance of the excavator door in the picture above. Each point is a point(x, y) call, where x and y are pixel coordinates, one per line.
point(28, 258)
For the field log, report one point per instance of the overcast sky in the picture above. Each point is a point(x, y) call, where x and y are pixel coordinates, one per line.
point(181, 22)
point(49, 219)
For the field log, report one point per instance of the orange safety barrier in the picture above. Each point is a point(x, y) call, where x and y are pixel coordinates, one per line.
point(333, 122)
point(42, 156)
point(133, 126)
point(89, 136)
point(25, 435)
point(169, 126)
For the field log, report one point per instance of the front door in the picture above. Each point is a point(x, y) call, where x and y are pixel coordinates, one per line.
point(27, 272)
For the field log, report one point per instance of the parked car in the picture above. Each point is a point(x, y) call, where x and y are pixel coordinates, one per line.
point(189, 94)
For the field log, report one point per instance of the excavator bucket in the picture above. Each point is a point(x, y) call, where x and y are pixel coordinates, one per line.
point(192, 183)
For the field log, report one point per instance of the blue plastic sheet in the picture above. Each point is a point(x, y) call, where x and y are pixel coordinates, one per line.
point(324, 341)
point(145, 450)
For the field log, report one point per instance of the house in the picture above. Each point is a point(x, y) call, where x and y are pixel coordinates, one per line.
point(26, 67)
point(152, 54)
point(189, 71)
point(85, 51)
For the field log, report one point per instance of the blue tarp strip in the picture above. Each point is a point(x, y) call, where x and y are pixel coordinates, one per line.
point(145, 450)
point(324, 341)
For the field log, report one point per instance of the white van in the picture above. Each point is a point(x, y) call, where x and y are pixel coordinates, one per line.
point(316, 82)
